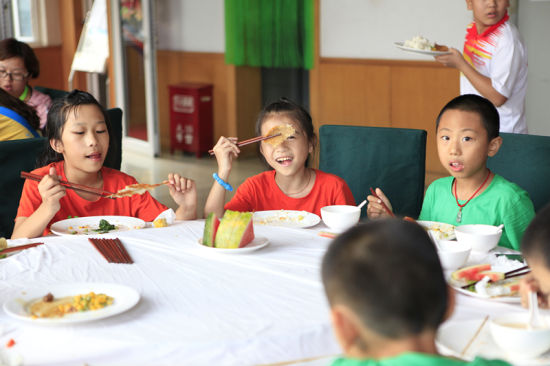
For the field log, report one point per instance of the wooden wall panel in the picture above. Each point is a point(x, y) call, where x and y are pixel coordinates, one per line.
point(50, 68)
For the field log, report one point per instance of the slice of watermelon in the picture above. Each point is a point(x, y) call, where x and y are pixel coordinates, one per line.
point(494, 276)
point(469, 273)
point(236, 230)
point(210, 228)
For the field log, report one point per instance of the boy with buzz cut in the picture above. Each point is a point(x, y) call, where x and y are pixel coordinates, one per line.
point(381, 319)
point(467, 135)
point(494, 62)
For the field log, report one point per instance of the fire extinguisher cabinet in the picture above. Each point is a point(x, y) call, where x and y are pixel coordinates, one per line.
point(191, 115)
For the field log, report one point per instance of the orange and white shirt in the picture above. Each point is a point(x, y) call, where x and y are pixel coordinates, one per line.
point(499, 54)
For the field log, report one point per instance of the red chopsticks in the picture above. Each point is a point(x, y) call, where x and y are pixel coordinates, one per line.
point(74, 186)
point(251, 141)
point(19, 247)
point(382, 203)
point(112, 250)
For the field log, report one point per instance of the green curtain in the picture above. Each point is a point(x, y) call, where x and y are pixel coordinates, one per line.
point(269, 33)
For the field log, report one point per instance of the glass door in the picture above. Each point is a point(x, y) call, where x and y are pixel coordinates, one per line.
point(135, 73)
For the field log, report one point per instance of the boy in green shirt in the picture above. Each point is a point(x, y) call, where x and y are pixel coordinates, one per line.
point(467, 134)
point(388, 296)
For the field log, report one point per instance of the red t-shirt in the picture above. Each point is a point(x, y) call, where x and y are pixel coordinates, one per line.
point(142, 206)
point(261, 193)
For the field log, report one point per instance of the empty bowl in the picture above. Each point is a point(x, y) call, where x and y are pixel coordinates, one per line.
point(340, 217)
point(482, 238)
point(452, 254)
point(511, 334)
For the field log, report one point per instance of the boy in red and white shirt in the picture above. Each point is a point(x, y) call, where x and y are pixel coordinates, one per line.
point(494, 62)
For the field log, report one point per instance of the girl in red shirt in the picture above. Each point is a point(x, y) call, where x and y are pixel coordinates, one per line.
point(290, 184)
point(78, 133)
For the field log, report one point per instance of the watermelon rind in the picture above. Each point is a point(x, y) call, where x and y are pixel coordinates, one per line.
point(211, 225)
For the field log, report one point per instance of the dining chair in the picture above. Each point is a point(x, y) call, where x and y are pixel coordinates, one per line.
point(15, 156)
point(52, 93)
point(393, 159)
point(525, 160)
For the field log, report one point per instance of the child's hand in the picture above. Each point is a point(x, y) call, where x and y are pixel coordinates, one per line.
point(453, 59)
point(530, 284)
point(375, 209)
point(51, 191)
point(226, 150)
point(184, 193)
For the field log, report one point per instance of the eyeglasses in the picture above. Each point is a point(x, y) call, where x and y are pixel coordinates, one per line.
point(16, 76)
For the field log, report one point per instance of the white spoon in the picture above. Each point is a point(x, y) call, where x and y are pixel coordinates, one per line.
point(362, 204)
point(535, 321)
point(500, 227)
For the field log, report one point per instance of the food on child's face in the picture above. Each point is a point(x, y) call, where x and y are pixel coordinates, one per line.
point(138, 188)
point(421, 43)
point(235, 230)
point(285, 130)
point(160, 222)
point(210, 228)
point(51, 307)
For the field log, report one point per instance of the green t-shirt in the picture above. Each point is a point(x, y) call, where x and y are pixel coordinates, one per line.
point(418, 359)
point(502, 202)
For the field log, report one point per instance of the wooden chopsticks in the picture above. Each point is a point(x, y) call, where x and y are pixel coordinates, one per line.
point(19, 247)
point(73, 186)
point(251, 141)
point(510, 274)
point(112, 250)
point(382, 203)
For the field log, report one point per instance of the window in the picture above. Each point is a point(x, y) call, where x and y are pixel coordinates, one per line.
point(24, 18)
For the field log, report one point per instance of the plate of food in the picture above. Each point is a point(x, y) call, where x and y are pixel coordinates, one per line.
point(439, 230)
point(423, 46)
point(93, 225)
point(71, 303)
point(257, 243)
point(286, 218)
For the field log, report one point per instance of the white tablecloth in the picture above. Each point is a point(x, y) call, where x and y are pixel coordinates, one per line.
point(197, 307)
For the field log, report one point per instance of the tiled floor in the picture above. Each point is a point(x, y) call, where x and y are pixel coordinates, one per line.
point(153, 170)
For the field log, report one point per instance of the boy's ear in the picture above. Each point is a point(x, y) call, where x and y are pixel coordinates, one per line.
point(346, 328)
point(494, 146)
point(57, 146)
point(469, 4)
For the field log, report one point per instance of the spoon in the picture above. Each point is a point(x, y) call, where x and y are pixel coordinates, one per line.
point(362, 204)
point(500, 227)
point(534, 316)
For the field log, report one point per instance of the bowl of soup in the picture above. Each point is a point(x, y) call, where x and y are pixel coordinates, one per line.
point(340, 217)
point(482, 238)
point(512, 334)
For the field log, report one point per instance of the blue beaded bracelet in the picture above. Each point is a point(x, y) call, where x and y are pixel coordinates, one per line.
point(222, 182)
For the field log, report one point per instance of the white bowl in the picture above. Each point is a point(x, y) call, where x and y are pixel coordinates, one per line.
point(453, 254)
point(340, 217)
point(520, 342)
point(482, 238)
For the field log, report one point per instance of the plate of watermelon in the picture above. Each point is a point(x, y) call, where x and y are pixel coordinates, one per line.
point(486, 283)
point(234, 233)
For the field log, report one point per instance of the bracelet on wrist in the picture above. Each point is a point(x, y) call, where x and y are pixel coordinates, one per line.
point(222, 182)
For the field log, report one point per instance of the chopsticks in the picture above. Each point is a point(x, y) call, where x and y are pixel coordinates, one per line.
point(250, 141)
point(73, 186)
point(19, 247)
point(112, 250)
point(474, 336)
point(510, 274)
point(382, 203)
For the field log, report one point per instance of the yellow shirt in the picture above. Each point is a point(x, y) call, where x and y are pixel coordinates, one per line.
point(12, 130)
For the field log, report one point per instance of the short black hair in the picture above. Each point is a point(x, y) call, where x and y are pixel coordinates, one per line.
point(536, 238)
point(388, 273)
point(476, 104)
point(11, 47)
point(295, 112)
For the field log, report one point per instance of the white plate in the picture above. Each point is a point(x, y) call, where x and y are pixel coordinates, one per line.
point(257, 243)
point(439, 230)
point(77, 226)
point(424, 52)
point(124, 298)
point(286, 218)
point(507, 299)
point(452, 337)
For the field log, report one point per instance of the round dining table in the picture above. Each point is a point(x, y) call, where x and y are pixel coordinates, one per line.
point(197, 305)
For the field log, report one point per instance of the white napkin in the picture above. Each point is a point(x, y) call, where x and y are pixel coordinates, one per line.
point(169, 215)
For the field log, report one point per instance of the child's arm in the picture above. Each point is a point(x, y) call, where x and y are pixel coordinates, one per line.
point(375, 208)
point(51, 192)
point(226, 150)
point(482, 83)
point(184, 193)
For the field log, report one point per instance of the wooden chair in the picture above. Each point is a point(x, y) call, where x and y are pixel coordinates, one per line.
point(393, 159)
point(525, 160)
